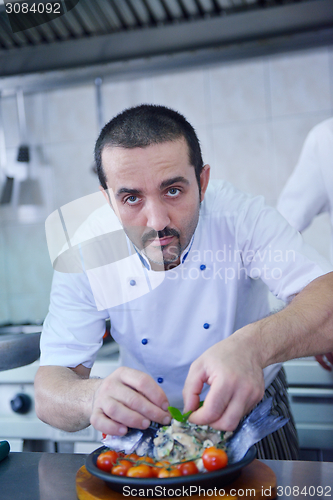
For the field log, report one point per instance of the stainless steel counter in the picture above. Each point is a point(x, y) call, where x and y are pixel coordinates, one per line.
point(51, 476)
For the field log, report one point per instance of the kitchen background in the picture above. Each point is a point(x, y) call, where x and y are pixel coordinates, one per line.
point(252, 117)
point(252, 99)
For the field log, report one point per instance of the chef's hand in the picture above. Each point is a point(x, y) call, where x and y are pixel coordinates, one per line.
point(128, 398)
point(236, 384)
point(326, 361)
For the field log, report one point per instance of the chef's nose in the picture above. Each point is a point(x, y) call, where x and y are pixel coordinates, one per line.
point(157, 215)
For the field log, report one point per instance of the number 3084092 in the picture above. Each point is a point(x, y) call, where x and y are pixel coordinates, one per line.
point(305, 492)
point(40, 8)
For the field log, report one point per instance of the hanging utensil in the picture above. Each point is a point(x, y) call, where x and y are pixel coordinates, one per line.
point(100, 113)
point(7, 190)
point(29, 189)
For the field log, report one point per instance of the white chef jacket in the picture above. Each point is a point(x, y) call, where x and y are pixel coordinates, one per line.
point(309, 190)
point(163, 321)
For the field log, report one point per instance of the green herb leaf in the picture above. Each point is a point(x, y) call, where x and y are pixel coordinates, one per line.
point(178, 415)
point(175, 413)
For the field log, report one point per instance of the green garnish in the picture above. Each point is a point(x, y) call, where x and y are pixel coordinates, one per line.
point(178, 415)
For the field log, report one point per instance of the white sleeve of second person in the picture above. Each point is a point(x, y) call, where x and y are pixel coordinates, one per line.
point(305, 196)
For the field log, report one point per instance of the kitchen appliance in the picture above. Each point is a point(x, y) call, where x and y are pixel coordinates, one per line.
point(7, 188)
point(311, 399)
point(29, 189)
point(19, 345)
point(19, 424)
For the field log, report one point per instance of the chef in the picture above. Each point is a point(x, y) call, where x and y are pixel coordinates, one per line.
point(309, 190)
point(186, 295)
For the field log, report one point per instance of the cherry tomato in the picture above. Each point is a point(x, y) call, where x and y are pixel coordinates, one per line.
point(147, 460)
point(133, 457)
point(142, 470)
point(122, 468)
point(214, 458)
point(106, 460)
point(169, 472)
point(159, 466)
point(188, 468)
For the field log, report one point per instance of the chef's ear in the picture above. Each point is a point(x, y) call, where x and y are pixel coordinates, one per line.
point(204, 179)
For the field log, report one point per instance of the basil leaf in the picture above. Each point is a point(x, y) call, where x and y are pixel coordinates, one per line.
point(175, 413)
point(178, 415)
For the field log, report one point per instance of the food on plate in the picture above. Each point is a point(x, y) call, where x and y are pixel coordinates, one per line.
point(177, 449)
point(214, 458)
point(106, 460)
point(183, 448)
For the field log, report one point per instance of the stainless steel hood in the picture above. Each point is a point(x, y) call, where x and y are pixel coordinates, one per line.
point(97, 32)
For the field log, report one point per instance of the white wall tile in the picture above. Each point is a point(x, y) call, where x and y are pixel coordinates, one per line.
point(206, 140)
point(35, 117)
point(118, 96)
point(10, 121)
point(242, 156)
point(184, 92)
point(28, 307)
point(289, 135)
point(28, 266)
point(70, 114)
point(238, 91)
point(72, 164)
point(4, 309)
point(300, 82)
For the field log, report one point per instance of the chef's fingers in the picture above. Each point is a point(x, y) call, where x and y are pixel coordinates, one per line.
point(244, 396)
point(193, 386)
point(321, 360)
point(131, 398)
point(106, 425)
point(114, 418)
point(139, 410)
point(145, 385)
point(216, 407)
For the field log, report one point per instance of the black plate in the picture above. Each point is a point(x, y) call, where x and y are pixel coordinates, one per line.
point(168, 486)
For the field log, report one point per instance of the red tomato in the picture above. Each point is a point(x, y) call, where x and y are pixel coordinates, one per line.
point(133, 457)
point(159, 466)
point(140, 471)
point(147, 460)
point(106, 460)
point(214, 458)
point(169, 472)
point(188, 468)
point(122, 468)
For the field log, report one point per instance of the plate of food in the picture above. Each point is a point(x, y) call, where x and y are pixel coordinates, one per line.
point(179, 458)
point(153, 486)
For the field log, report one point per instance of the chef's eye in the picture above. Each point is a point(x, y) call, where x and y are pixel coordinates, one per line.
point(132, 200)
point(173, 191)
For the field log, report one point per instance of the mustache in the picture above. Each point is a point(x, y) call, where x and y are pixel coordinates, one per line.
point(152, 235)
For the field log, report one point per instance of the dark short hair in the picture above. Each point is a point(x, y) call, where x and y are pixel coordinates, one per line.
point(144, 125)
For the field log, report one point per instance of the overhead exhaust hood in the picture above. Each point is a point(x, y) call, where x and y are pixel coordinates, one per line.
point(96, 32)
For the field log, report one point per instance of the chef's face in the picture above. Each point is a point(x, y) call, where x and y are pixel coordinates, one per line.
point(155, 194)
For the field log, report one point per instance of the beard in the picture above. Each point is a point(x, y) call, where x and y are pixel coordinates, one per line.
point(165, 254)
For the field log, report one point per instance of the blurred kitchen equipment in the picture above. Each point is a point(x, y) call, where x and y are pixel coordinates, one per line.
point(19, 423)
point(19, 345)
point(29, 189)
point(7, 190)
point(100, 112)
point(4, 449)
point(311, 400)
